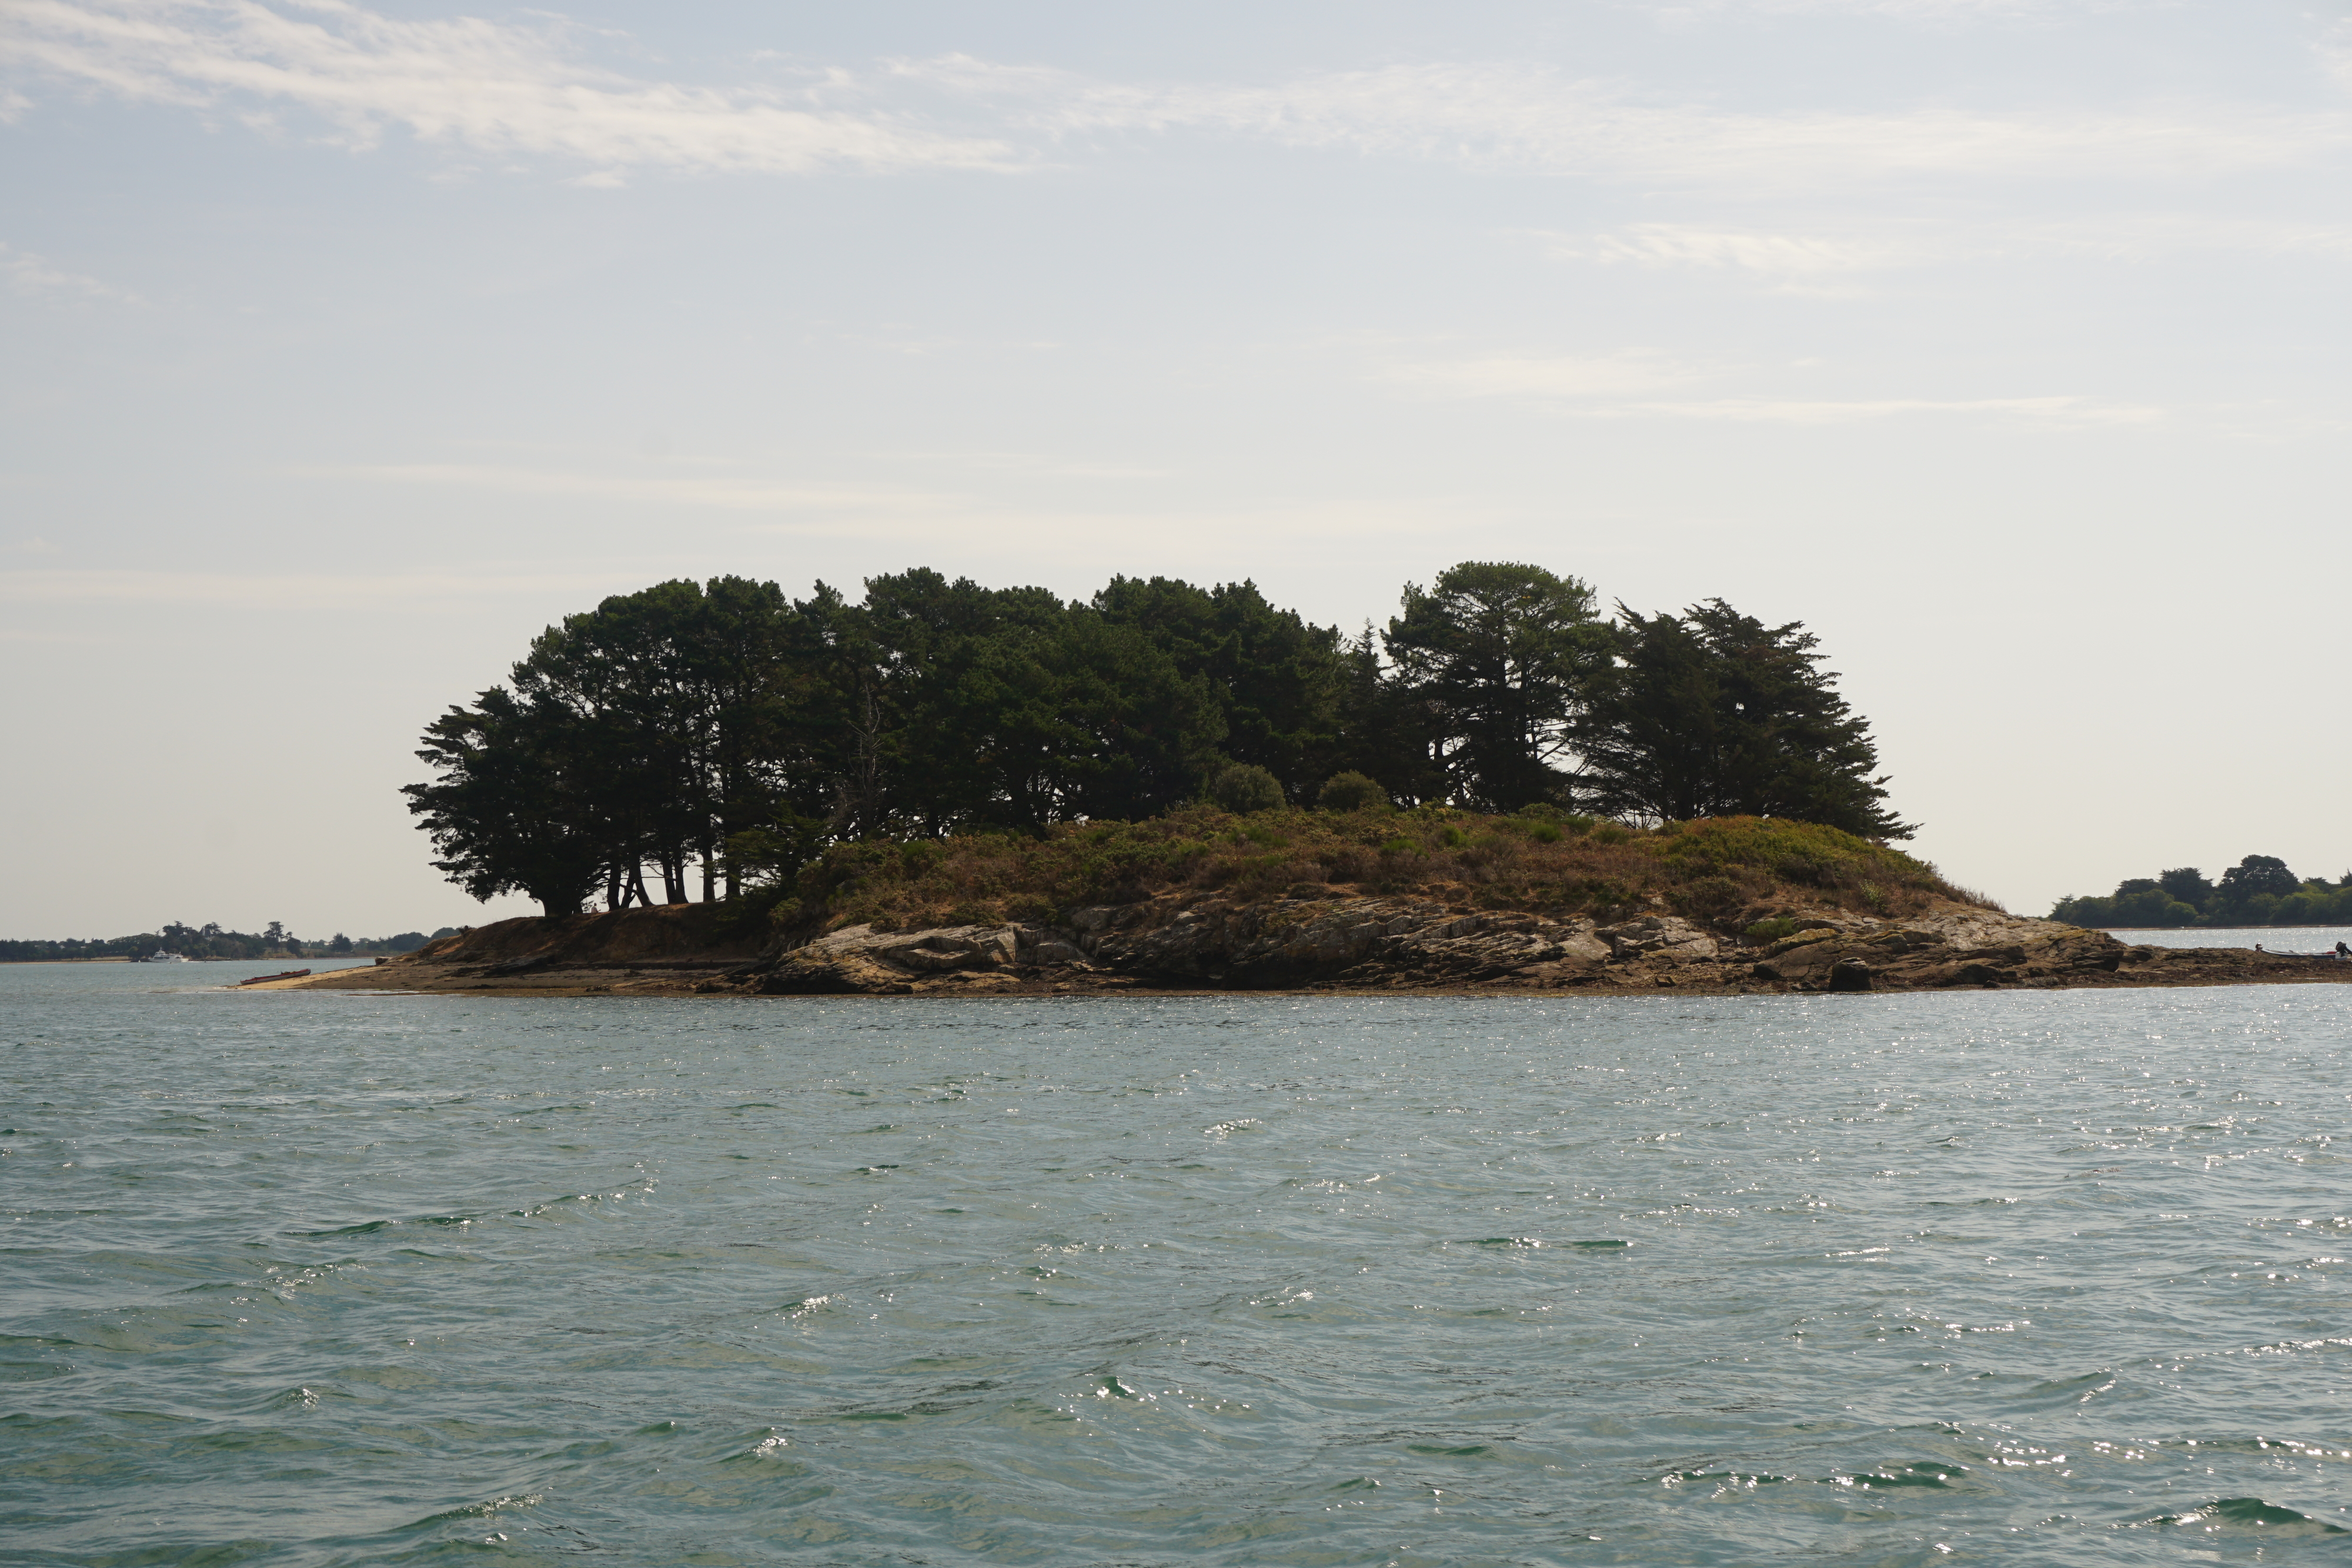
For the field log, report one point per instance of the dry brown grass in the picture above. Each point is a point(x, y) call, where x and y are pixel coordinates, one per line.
point(1726, 871)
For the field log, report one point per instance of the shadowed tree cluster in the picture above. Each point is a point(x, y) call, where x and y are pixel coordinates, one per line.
point(2258, 891)
point(688, 733)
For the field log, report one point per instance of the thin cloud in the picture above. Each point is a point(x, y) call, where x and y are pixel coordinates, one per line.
point(2070, 411)
point(1625, 386)
point(720, 494)
point(1630, 373)
point(304, 591)
point(33, 276)
point(1533, 118)
point(499, 91)
point(463, 82)
point(2117, 237)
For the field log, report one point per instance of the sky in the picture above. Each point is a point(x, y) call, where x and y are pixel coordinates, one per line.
point(343, 347)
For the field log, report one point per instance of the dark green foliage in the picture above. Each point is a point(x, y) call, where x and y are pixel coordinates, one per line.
point(1499, 657)
point(207, 941)
point(2186, 885)
point(1351, 791)
point(2257, 876)
point(2258, 891)
point(1275, 680)
point(520, 802)
point(1712, 714)
point(723, 729)
point(1245, 787)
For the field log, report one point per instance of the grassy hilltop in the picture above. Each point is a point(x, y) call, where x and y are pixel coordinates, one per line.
point(1728, 871)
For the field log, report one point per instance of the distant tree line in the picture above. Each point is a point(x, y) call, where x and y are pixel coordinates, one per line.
point(699, 732)
point(2257, 891)
point(210, 941)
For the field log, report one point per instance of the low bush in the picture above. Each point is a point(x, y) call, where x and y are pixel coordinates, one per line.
point(1245, 788)
point(1351, 791)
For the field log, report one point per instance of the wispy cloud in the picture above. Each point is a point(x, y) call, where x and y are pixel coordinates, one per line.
point(1640, 385)
point(290, 590)
point(1819, 258)
point(1532, 117)
point(1632, 372)
point(718, 493)
point(500, 90)
point(483, 87)
point(2068, 411)
point(30, 275)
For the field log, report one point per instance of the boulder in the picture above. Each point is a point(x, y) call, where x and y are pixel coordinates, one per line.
point(1657, 936)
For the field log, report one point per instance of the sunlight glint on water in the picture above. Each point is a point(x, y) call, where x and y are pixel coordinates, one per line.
point(2048, 1277)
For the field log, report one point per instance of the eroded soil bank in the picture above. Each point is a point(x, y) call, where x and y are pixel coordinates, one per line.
point(1333, 940)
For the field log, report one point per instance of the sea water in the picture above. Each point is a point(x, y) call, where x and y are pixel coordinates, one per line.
point(2277, 938)
point(2044, 1277)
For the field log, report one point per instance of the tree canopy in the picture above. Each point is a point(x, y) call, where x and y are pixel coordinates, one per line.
point(720, 728)
point(2258, 891)
point(1711, 713)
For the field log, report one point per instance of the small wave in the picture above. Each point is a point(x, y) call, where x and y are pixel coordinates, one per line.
point(2248, 1513)
point(369, 1227)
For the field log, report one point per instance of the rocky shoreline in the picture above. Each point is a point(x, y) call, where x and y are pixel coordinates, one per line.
point(1313, 940)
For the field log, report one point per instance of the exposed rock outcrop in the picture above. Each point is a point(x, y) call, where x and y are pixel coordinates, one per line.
point(1312, 939)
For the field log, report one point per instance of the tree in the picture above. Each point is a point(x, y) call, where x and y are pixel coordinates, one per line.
point(513, 809)
point(1712, 713)
point(1386, 731)
point(1274, 677)
point(1503, 654)
point(2187, 884)
point(2253, 878)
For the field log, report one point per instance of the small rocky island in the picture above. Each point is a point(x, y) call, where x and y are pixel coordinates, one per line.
point(1307, 939)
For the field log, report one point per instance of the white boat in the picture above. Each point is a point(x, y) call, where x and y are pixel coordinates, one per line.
point(160, 956)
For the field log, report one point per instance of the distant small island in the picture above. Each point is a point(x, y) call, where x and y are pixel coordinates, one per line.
point(2258, 891)
point(212, 941)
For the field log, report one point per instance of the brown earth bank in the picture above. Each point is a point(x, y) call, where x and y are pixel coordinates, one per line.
point(1327, 939)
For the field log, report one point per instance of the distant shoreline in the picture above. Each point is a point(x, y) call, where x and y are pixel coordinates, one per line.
point(2323, 925)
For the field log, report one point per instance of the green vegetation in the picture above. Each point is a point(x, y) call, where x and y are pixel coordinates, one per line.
point(210, 941)
point(1706, 871)
point(2257, 891)
point(726, 729)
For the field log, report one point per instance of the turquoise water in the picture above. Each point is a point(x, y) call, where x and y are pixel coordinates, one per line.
point(1996, 1277)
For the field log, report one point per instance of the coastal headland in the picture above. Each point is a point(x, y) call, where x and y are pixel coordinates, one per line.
point(1320, 940)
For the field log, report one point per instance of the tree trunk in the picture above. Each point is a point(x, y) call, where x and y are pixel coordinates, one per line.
point(709, 876)
point(638, 885)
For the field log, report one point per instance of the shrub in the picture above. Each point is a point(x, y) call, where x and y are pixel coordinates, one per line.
point(1245, 787)
point(1544, 832)
point(1609, 833)
point(1351, 791)
point(1709, 897)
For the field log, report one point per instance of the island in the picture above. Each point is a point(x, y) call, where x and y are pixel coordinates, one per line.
point(1369, 901)
point(943, 789)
